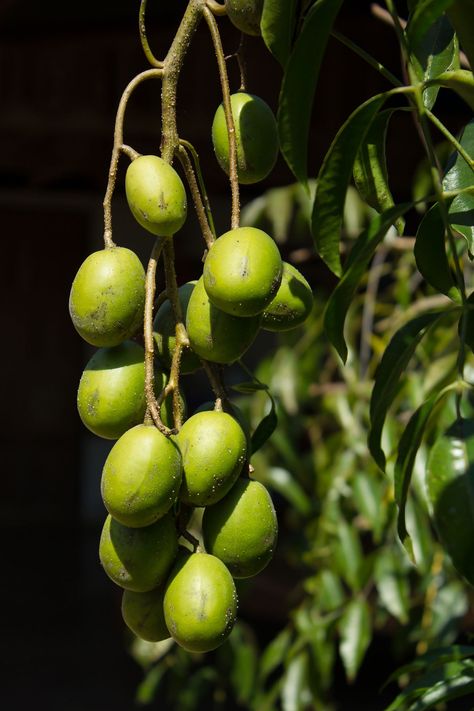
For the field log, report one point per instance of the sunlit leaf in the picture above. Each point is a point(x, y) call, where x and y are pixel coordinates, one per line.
point(275, 653)
point(299, 85)
point(355, 632)
point(460, 175)
point(348, 554)
point(296, 693)
point(282, 481)
point(392, 584)
point(277, 26)
point(333, 180)
point(435, 53)
point(265, 427)
point(424, 15)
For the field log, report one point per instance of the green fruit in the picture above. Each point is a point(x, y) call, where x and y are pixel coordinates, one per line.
point(242, 271)
point(215, 335)
point(245, 15)
point(156, 195)
point(111, 394)
point(292, 303)
point(234, 411)
point(450, 483)
point(143, 614)
point(138, 559)
point(213, 449)
point(200, 602)
point(164, 332)
point(241, 529)
point(256, 137)
point(141, 476)
point(108, 296)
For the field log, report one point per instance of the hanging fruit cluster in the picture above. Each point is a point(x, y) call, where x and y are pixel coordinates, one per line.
point(165, 464)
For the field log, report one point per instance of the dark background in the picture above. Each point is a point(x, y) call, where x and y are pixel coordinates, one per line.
point(63, 67)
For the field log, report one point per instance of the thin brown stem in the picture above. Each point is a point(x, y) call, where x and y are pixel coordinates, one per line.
point(143, 38)
point(215, 379)
point(196, 196)
point(202, 186)
point(224, 79)
point(117, 148)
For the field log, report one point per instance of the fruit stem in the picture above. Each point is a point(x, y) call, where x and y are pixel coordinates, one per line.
point(221, 63)
point(192, 540)
point(216, 8)
point(215, 378)
point(143, 38)
point(118, 147)
point(153, 407)
point(202, 186)
point(196, 195)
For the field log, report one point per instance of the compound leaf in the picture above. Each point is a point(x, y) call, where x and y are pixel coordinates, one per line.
point(277, 26)
point(299, 85)
point(333, 180)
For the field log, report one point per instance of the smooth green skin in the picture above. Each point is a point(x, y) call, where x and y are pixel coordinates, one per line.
point(215, 335)
point(450, 484)
point(245, 15)
point(108, 296)
point(243, 271)
point(156, 195)
point(200, 602)
point(141, 476)
point(213, 448)
point(242, 528)
point(143, 614)
point(138, 559)
point(292, 303)
point(234, 411)
point(256, 136)
point(111, 394)
point(164, 332)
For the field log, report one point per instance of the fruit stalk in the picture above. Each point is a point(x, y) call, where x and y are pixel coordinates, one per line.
point(196, 195)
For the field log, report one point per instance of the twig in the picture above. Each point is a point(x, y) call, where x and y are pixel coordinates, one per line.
point(196, 195)
point(143, 38)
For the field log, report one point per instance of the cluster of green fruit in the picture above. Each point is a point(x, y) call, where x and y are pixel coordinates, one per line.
point(153, 480)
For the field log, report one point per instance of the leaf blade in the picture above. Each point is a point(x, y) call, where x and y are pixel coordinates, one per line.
point(355, 632)
point(430, 254)
point(277, 26)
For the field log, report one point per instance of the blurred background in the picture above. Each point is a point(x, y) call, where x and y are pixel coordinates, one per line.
point(63, 67)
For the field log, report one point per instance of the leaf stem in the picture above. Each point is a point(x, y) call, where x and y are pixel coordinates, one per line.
point(367, 58)
point(449, 136)
point(216, 8)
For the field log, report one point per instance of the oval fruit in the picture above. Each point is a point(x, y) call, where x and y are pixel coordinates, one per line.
point(156, 195)
point(215, 335)
point(108, 297)
point(241, 529)
point(292, 303)
point(242, 271)
point(143, 614)
point(164, 332)
point(213, 448)
point(450, 483)
point(138, 559)
point(111, 394)
point(256, 137)
point(234, 411)
point(200, 602)
point(141, 476)
point(245, 15)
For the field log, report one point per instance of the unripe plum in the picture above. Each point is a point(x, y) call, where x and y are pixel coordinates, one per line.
point(156, 195)
point(108, 296)
point(164, 332)
point(143, 614)
point(242, 271)
point(256, 137)
point(291, 304)
point(245, 15)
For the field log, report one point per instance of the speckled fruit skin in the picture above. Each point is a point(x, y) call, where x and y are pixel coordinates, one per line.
point(164, 332)
point(242, 271)
point(292, 303)
point(200, 603)
point(143, 614)
point(242, 528)
point(213, 448)
point(156, 195)
point(245, 15)
point(108, 296)
point(138, 559)
point(256, 136)
point(111, 394)
point(141, 476)
point(214, 334)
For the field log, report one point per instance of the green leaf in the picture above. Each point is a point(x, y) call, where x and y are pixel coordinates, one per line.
point(367, 492)
point(333, 180)
point(436, 53)
point(265, 428)
point(296, 694)
point(275, 653)
point(461, 14)
point(430, 254)
point(330, 592)
point(244, 664)
point(249, 387)
point(394, 361)
point(460, 175)
point(355, 269)
point(419, 529)
point(370, 167)
point(443, 683)
point(448, 609)
point(277, 26)
point(148, 687)
point(348, 554)
point(461, 81)
point(355, 632)
point(299, 85)
point(446, 690)
point(424, 15)
point(392, 584)
point(433, 658)
point(282, 481)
